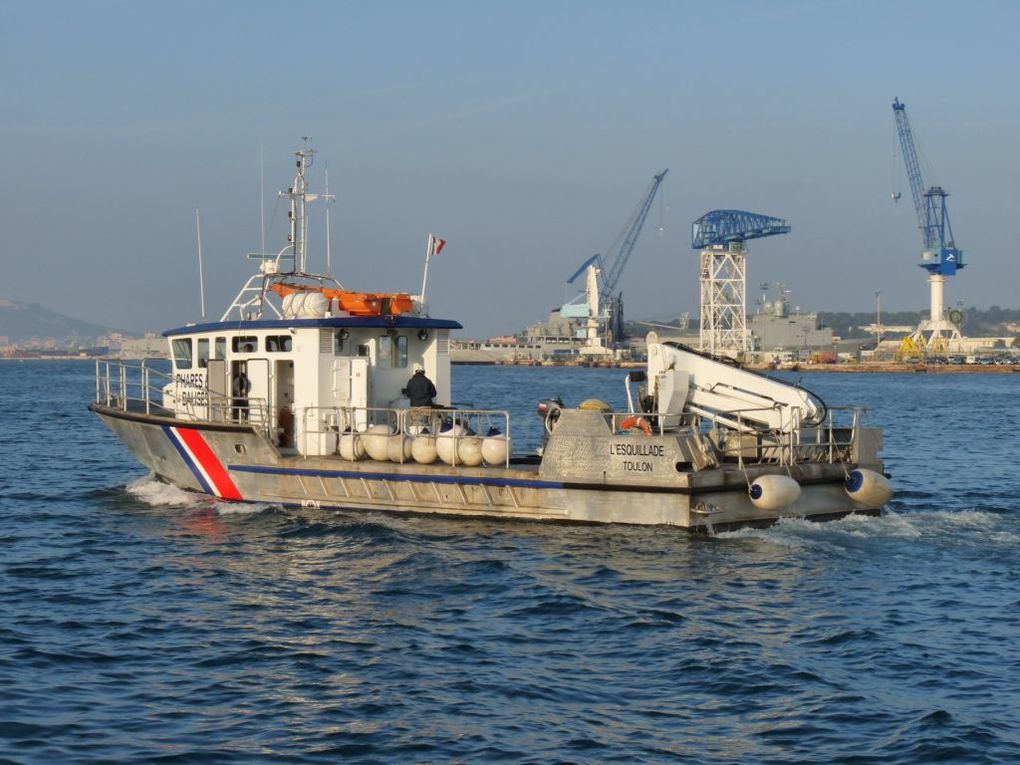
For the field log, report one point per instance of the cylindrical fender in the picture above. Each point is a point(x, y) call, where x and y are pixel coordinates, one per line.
point(868, 487)
point(774, 492)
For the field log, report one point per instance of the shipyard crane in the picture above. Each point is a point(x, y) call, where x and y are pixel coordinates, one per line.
point(723, 227)
point(722, 237)
point(603, 274)
point(940, 256)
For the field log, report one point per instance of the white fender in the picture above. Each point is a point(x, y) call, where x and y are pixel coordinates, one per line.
point(350, 447)
point(774, 492)
point(868, 487)
point(469, 451)
point(423, 449)
point(376, 440)
point(399, 448)
point(445, 447)
point(495, 448)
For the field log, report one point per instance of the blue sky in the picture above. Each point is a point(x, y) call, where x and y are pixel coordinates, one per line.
point(524, 133)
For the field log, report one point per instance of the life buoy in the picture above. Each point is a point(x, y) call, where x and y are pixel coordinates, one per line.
point(637, 422)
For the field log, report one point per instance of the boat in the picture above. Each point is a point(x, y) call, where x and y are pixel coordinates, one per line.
point(295, 396)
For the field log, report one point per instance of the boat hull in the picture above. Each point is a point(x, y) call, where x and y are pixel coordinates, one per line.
point(234, 462)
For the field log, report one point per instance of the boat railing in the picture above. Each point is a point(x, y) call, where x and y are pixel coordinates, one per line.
point(831, 441)
point(141, 389)
point(324, 427)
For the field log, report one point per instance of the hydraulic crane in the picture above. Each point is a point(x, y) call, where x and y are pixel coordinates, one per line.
point(601, 279)
point(940, 256)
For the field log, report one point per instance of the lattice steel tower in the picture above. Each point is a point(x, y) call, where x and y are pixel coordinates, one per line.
point(722, 236)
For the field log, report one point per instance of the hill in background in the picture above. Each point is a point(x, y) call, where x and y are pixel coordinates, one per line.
point(30, 324)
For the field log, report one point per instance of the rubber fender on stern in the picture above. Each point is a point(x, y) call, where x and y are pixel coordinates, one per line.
point(774, 492)
point(868, 487)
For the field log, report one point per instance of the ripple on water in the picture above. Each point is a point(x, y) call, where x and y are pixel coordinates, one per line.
point(150, 624)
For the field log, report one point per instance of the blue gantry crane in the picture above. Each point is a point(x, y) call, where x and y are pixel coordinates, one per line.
point(940, 254)
point(721, 227)
point(722, 236)
point(617, 259)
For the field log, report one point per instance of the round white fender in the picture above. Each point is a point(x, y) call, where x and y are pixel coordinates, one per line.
point(423, 449)
point(868, 487)
point(445, 447)
point(774, 492)
point(398, 449)
point(495, 448)
point(350, 447)
point(469, 451)
point(376, 440)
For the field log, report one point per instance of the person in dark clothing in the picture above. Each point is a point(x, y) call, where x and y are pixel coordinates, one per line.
point(420, 390)
point(240, 387)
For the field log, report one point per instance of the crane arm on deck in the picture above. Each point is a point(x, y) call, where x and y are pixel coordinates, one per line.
point(731, 395)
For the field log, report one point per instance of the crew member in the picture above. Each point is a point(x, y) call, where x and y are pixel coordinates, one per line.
point(240, 387)
point(420, 390)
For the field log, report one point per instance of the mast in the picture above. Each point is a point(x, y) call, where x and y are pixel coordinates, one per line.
point(299, 198)
point(251, 300)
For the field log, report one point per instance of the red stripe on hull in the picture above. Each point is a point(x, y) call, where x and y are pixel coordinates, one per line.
point(210, 463)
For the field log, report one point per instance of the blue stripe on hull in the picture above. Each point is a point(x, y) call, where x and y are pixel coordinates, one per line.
point(187, 460)
point(407, 477)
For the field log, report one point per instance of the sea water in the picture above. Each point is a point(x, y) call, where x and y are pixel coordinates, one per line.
point(142, 623)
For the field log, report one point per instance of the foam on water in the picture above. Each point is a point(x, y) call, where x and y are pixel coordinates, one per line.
point(156, 625)
point(158, 494)
point(932, 526)
point(246, 508)
point(155, 493)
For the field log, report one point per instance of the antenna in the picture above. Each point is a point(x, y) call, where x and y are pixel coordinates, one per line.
point(262, 194)
point(299, 196)
point(201, 275)
point(329, 232)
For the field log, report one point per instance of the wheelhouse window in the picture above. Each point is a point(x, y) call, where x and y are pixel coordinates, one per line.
point(384, 357)
point(279, 343)
point(399, 351)
point(182, 352)
point(203, 352)
point(341, 343)
point(220, 348)
point(244, 344)
point(392, 351)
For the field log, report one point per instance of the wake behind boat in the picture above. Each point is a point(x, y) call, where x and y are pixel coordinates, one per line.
point(296, 396)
